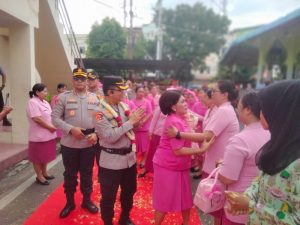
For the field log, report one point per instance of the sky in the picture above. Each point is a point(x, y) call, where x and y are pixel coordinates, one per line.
point(242, 13)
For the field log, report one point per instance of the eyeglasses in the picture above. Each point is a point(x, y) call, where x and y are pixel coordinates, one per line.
point(79, 78)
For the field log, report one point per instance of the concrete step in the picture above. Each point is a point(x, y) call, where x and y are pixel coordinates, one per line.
point(11, 154)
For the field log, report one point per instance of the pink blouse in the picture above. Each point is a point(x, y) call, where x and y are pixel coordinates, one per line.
point(164, 155)
point(224, 125)
point(39, 108)
point(241, 150)
point(157, 122)
point(146, 105)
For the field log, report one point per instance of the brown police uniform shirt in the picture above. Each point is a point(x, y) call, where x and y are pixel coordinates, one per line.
point(115, 137)
point(74, 111)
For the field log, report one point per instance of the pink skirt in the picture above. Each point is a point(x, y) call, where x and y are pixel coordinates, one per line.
point(226, 221)
point(171, 190)
point(42, 152)
point(142, 141)
point(154, 142)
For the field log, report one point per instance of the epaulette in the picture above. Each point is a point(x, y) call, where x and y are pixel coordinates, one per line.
point(91, 93)
point(67, 92)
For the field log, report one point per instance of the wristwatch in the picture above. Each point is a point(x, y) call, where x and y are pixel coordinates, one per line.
point(178, 136)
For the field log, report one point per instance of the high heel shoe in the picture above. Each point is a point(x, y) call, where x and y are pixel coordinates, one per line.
point(142, 165)
point(49, 177)
point(143, 174)
point(41, 182)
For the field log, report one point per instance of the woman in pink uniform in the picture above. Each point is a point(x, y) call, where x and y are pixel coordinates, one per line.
point(155, 92)
point(61, 87)
point(241, 150)
point(191, 98)
point(222, 125)
point(41, 147)
point(199, 108)
point(155, 132)
point(172, 161)
point(142, 138)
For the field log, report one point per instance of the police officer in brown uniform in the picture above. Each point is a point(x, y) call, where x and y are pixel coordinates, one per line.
point(93, 82)
point(73, 114)
point(113, 125)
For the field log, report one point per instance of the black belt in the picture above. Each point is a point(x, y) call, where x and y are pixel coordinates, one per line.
point(88, 131)
point(118, 151)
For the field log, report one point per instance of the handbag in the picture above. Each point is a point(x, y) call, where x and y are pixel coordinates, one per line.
point(210, 195)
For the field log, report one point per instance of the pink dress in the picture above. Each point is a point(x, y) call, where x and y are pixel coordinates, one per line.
point(150, 98)
point(171, 182)
point(141, 133)
point(241, 150)
point(224, 125)
point(41, 148)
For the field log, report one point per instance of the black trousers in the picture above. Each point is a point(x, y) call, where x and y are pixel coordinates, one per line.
point(82, 161)
point(2, 105)
point(110, 180)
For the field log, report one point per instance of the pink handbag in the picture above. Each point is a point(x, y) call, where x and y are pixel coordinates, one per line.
point(210, 195)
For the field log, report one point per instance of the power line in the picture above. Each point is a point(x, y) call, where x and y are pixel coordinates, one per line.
point(102, 3)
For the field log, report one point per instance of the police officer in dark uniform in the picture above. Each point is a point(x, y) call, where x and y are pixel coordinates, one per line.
point(73, 114)
point(113, 125)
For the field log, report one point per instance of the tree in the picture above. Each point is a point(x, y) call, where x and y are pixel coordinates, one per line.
point(192, 32)
point(107, 40)
point(238, 74)
point(139, 50)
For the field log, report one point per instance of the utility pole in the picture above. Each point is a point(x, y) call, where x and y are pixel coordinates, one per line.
point(159, 40)
point(125, 13)
point(221, 6)
point(130, 36)
point(224, 7)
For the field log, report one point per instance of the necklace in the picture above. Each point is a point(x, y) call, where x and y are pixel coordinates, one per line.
point(117, 118)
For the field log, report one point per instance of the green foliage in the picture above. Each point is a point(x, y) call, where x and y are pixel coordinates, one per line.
point(107, 40)
point(140, 49)
point(240, 74)
point(192, 32)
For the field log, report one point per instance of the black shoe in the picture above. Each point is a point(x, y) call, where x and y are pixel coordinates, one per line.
point(194, 169)
point(66, 210)
point(49, 177)
point(142, 165)
point(142, 174)
point(41, 182)
point(90, 206)
point(196, 177)
point(127, 222)
point(6, 123)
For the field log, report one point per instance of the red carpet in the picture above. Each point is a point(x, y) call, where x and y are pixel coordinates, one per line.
point(142, 213)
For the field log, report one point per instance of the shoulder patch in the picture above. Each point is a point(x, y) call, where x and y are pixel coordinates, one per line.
point(98, 116)
point(67, 92)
